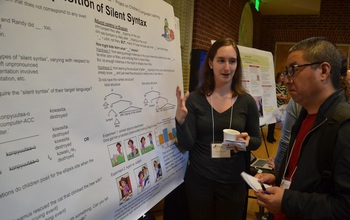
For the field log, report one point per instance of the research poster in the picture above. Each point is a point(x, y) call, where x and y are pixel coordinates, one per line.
point(259, 79)
point(87, 96)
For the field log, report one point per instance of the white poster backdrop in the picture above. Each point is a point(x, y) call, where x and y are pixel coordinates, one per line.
point(87, 96)
point(259, 79)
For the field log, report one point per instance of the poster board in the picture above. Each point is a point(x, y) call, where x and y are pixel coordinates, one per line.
point(87, 95)
point(259, 79)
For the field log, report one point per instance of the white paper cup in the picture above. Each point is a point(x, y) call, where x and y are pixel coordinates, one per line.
point(230, 134)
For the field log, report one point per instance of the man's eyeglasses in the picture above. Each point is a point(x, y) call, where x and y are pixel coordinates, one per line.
point(290, 70)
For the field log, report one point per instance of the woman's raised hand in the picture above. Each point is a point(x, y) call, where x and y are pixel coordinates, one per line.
point(181, 110)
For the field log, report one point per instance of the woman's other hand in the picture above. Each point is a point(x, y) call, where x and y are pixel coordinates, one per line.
point(181, 110)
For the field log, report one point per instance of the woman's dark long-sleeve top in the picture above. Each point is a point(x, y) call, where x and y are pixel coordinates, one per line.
point(196, 136)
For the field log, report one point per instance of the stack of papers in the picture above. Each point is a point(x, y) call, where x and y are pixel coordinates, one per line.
point(252, 181)
point(240, 145)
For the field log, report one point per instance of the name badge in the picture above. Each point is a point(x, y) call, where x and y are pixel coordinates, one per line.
point(220, 151)
point(285, 184)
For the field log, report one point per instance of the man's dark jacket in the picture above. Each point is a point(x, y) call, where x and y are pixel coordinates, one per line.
point(306, 199)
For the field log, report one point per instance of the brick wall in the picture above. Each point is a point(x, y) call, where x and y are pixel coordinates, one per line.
point(221, 18)
point(214, 20)
point(333, 23)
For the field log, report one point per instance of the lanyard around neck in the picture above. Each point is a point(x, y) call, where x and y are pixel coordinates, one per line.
point(212, 114)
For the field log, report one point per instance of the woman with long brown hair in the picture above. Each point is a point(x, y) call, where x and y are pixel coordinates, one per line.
point(214, 187)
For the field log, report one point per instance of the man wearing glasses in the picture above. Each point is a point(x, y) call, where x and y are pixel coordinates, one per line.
point(313, 80)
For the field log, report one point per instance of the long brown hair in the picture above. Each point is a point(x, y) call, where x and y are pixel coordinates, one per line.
point(277, 78)
point(207, 75)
